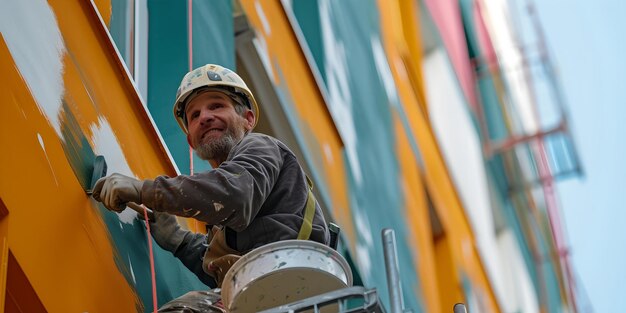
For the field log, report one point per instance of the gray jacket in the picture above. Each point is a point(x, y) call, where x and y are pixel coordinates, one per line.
point(255, 197)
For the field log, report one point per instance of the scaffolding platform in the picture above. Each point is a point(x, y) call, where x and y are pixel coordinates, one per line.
point(355, 299)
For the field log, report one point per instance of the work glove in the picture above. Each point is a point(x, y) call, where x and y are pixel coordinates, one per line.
point(163, 227)
point(220, 266)
point(166, 231)
point(116, 190)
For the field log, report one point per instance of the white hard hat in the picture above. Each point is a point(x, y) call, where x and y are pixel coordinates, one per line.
point(214, 77)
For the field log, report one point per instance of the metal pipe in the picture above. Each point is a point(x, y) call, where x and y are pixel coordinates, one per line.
point(393, 272)
point(460, 308)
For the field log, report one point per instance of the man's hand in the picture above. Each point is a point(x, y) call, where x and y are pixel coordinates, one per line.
point(163, 227)
point(166, 231)
point(220, 266)
point(116, 190)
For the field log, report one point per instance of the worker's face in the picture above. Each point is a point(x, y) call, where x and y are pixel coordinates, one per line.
point(214, 126)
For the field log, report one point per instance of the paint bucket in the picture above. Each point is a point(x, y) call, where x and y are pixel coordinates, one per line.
point(283, 272)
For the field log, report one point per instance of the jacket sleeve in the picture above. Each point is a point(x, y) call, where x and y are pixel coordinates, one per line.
point(230, 195)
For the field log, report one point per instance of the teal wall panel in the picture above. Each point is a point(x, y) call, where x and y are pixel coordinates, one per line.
point(213, 33)
point(343, 39)
point(119, 27)
point(168, 60)
point(213, 42)
point(307, 13)
point(167, 64)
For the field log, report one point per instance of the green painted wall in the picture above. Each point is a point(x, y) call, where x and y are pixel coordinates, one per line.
point(128, 240)
point(344, 37)
point(168, 60)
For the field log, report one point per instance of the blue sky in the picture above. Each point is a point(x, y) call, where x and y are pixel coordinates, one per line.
point(588, 44)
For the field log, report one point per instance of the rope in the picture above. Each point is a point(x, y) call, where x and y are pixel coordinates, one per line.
point(145, 210)
point(151, 257)
point(190, 51)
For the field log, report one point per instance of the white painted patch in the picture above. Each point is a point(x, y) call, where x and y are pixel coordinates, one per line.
point(288, 5)
point(128, 215)
point(364, 261)
point(106, 144)
point(384, 72)
point(340, 98)
point(33, 37)
point(43, 147)
point(361, 222)
point(365, 244)
point(328, 152)
point(263, 18)
point(132, 272)
point(462, 151)
point(519, 292)
point(218, 206)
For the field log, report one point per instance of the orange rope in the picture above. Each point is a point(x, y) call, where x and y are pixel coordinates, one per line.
point(145, 210)
point(151, 257)
point(190, 50)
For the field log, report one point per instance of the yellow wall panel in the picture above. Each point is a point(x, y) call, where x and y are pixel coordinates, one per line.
point(55, 231)
point(54, 234)
point(459, 244)
point(417, 219)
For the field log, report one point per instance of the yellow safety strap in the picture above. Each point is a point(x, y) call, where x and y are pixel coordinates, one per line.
point(309, 212)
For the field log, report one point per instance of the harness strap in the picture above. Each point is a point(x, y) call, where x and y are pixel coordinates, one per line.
point(309, 212)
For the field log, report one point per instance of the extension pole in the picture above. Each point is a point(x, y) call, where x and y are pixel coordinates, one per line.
point(393, 272)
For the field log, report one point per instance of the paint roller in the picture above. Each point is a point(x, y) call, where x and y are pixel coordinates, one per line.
point(99, 171)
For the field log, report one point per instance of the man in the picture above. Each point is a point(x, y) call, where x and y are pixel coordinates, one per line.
point(255, 194)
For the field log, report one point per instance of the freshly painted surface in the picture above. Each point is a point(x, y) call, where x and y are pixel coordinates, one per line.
point(68, 98)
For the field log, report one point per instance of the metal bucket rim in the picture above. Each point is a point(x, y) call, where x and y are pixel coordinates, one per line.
point(228, 292)
point(285, 244)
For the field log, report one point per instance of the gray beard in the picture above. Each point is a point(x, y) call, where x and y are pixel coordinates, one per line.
point(220, 148)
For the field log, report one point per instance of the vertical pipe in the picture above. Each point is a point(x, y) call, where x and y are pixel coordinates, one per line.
point(460, 308)
point(393, 272)
point(136, 31)
point(190, 61)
